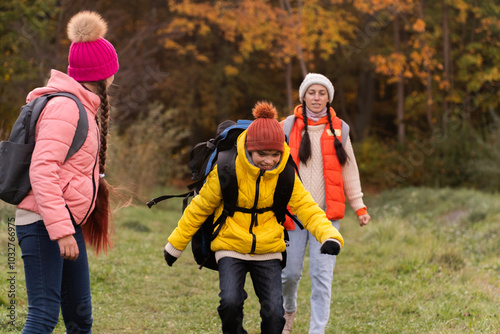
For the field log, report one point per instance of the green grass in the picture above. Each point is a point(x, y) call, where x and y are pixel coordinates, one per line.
point(429, 262)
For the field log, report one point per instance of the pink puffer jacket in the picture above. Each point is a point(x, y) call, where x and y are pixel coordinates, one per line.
point(59, 187)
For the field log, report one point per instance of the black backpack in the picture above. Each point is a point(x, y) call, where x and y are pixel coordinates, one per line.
point(15, 154)
point(221, 150)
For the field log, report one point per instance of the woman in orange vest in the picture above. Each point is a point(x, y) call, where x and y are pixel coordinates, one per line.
point(328, 169)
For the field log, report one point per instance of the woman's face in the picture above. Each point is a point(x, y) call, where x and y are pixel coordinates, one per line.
point(316, 98)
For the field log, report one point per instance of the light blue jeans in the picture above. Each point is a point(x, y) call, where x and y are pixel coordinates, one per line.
point(321, 271)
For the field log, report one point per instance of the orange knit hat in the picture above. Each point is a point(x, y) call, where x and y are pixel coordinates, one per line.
point(265, 133)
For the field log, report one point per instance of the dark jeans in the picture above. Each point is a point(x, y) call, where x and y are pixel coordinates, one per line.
point(266, 279)
point(53, 283)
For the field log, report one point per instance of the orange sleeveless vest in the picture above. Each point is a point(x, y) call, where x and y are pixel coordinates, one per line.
point(332, 169)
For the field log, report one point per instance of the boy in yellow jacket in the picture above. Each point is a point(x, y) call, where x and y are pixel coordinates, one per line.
point(249, 242)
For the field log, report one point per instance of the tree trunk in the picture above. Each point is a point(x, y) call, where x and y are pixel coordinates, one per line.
point(428, 98)
point(344, 114)
point(289, 89)
point(285, 5)
point(401, 94)
point(300, 55)
point(364, 103)
point(303, 66)
point(447, 64)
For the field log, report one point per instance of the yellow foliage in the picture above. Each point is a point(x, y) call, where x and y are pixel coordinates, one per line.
point(492, 75)
point(488, 23)
point(315, 34)
point(373, 6)
point(200, 10)
point(204, 30)
point(394, 66)
point(170, 44)
point(416, 57)
point(238, 59)
point(416, 43)
point(419, 25)
point(202, 58)
point(463, 9)
point(444, 85)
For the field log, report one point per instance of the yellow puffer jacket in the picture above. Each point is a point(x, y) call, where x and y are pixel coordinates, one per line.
point(237, 234)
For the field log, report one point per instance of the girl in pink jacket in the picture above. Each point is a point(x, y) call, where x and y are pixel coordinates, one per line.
point(67, 196)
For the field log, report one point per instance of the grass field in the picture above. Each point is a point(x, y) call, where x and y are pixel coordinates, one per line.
point(429, 262)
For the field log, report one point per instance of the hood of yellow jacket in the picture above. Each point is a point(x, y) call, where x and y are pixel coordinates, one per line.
point(253, 170)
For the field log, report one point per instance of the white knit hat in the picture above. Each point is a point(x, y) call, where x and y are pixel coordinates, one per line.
point(316, 78)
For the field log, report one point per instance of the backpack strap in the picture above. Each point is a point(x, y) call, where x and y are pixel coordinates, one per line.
point(82, 126)
point(226, 169)
point(283, 193)
point(288, 125)
point(345, 131)
point(186, 196)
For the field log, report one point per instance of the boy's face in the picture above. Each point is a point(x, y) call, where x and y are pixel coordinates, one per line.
point(266, 160)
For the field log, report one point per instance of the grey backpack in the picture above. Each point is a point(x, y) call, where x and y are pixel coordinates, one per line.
point(15, 154)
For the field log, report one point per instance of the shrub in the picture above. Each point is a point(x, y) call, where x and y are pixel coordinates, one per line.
point(148, 153)
point(485, 166)
point(373, 159)
point(441, 160)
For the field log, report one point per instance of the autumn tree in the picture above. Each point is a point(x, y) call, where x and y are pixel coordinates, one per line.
point(27, 46)
point(402, 70)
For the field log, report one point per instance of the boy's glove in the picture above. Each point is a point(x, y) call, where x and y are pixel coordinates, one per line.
point(169, 258)
point(330, 247)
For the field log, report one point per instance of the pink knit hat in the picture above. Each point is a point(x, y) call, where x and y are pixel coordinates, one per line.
point(265, 133)
point(91, 56)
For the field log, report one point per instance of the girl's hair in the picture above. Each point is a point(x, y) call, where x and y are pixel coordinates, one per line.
point(97, 230)
point(103, 122)
point(305, 144)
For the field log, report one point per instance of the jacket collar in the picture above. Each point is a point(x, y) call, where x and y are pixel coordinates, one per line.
point(61, 82)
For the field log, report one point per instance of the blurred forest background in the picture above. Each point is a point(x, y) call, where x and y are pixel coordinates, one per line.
point(418, 81)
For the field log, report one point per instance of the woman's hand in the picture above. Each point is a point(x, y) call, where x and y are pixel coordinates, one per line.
point(68, 247)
